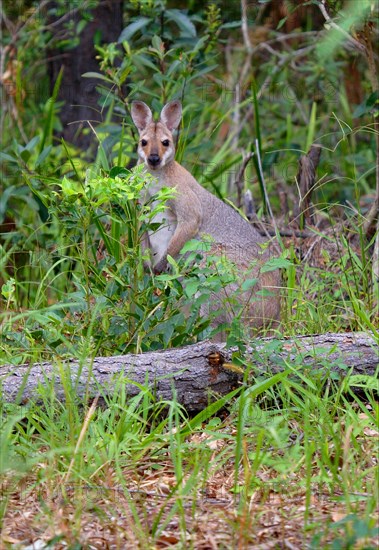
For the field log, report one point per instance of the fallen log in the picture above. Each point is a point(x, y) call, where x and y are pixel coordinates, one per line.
point(197, 372)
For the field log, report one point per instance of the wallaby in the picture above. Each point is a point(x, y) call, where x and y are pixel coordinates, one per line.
point(194, 212)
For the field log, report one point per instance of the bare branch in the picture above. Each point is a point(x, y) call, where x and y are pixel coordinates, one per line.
point(239, 181)
point(306, 176)
point(357, 45)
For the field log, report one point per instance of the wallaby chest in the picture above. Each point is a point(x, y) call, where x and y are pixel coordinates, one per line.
point(160, 237)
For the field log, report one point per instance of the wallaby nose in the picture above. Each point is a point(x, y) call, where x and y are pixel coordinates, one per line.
point(154, 159)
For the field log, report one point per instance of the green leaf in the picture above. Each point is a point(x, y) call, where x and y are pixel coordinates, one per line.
point(191, 246)
point(369, 106)
point(30, 146)
point(281, 23)
point(134, 27)
point(80, 26)
point(182, 20)
point(174, 65)
point(231, 25)
point(48, 128)
point(276, 263)
point(25, 155)
point(191, 288)
point(363, 381)
point(157, 44)
point(201, 43)
point(248, 284)
point(45, 153)
point(69, 188)
point(311, 127)
point(5, 156)
point(101, 158)
point(209, 411)
point(373, 99)
point(96, 75)
point(119, 171)
point(204, 71)
point(8, 289)
point(264, 385)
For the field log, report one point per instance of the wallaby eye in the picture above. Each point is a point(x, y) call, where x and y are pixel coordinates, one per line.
point(143, 142)
point(165, 143)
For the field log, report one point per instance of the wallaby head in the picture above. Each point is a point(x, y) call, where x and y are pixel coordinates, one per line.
point(156, 145)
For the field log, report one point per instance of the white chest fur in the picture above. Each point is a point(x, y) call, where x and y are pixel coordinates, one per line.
point(160, 238)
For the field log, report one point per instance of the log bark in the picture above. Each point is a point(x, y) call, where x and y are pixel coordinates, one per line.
point(198, 372)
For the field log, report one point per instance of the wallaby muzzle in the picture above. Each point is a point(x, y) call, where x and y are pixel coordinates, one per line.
point(154, 159)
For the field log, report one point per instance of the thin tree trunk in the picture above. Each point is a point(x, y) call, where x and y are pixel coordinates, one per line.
point(80, 95)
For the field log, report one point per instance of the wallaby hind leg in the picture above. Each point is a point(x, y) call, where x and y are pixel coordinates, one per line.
point(249, 303)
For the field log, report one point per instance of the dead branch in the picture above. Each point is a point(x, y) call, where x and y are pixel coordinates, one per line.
point(306, 177)
point(198, 372)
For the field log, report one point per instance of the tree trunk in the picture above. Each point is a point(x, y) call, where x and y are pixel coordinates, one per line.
point(80, 97)
point(197, 372)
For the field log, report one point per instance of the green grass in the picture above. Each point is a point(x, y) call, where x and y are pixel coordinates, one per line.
point(289, 450)
point(288, 458)
point(285, 457)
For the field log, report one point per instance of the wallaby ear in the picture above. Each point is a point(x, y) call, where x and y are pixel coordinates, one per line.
point(141, 115)
point(171, 114)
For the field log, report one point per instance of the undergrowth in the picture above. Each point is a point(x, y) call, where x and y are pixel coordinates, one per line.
point(293, 449)
point(290, 457)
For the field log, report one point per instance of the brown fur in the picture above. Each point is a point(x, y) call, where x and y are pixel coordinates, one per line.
point(196, 213)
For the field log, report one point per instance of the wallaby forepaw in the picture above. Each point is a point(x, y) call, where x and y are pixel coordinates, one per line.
point(161, 266)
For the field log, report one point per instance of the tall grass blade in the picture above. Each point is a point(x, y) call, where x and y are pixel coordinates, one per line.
point(49, 123)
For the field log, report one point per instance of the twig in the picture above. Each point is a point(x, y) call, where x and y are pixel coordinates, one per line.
point(329, 20)
point(284, 38)
point(15, 35)
point(247, 43)
point(249, 205)
point(83, 431)
point(267, 200)
point(236, 116)
point(375, 270)
point(308, 253)
point(373, 213)
point(270, 77)
point(246, 157)
point(245, 27)
point(57, 22)
point(305, 178)
point(300, 234)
